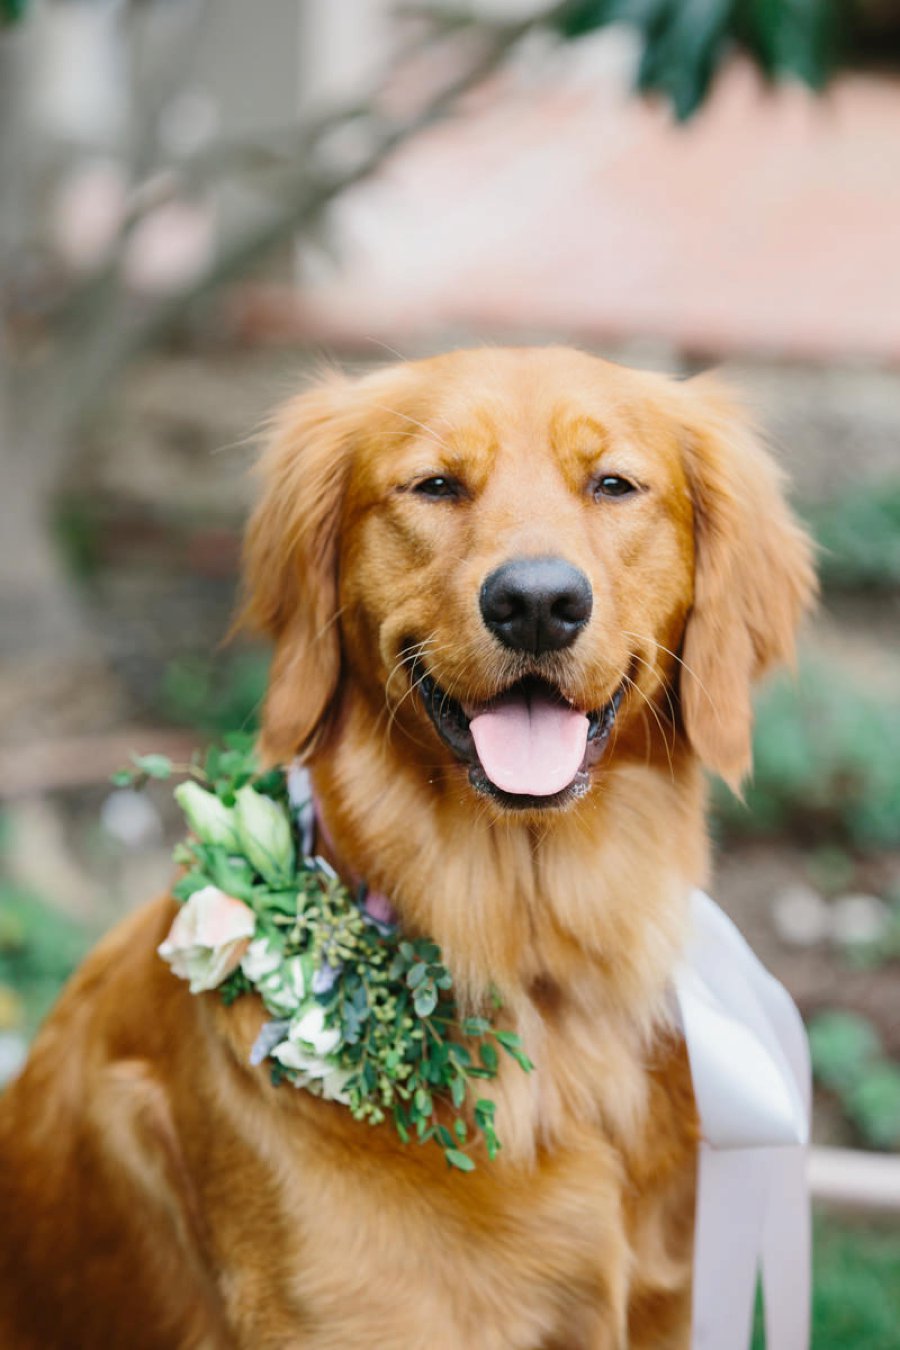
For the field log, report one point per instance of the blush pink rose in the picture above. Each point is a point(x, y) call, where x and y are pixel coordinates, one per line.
point(211, 933)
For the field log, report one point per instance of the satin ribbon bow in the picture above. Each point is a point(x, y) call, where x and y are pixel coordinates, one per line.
point(751, 1076)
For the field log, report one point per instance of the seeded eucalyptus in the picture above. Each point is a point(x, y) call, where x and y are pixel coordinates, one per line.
point(359, 1013)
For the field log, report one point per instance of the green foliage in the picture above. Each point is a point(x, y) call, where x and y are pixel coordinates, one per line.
point(856, 1290)
point(859, 534)
point(401, 1052)
point(685, 41)
point(826, 764)
point(848, 1059)
point(216, 695)
point(39, 949)
point(11, 11)
point(843, 1045)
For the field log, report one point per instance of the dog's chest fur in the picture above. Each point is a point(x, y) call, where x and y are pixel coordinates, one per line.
point(564, 1249)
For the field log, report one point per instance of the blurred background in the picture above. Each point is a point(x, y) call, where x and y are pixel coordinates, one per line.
point(201, 204)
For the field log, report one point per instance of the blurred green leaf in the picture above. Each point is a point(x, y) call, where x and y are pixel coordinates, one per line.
point(874, 1105)
point(459, 1160)
point(39, 949)
point(12, 10)
point(826, 765)
point(859, 534)
point(842, 1045)
point(685, 42)
point(154, 766)
point(216, 695)
point(856, 1292)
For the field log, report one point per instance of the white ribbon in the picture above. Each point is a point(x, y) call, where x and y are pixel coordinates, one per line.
point(751, 1076)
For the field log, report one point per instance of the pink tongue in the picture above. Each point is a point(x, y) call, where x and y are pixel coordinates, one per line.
point(530, 746)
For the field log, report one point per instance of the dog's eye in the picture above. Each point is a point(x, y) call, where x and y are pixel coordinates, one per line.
point(612, 485)
point(439, 486)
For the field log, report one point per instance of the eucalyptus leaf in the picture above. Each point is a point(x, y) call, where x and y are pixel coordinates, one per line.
point(154, 766)
point(462, 1161)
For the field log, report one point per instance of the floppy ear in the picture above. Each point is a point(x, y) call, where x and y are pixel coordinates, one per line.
point(753, 579)
point(291, 564)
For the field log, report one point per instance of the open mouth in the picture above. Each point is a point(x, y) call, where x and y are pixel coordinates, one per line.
point(529, 747)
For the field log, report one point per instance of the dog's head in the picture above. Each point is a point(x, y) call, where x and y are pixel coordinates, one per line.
point(524, 565)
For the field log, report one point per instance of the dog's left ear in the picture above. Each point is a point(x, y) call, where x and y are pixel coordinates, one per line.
point(290, 564)
point(753, 577)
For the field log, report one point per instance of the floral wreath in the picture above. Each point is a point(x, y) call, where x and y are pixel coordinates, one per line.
point(359, 1014)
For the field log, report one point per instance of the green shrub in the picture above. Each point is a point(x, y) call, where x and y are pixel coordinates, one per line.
point(216, 694)
point(39, 949)
point(826, 764)
point(848, 1059)
point(856, 1288)
point(859, 534)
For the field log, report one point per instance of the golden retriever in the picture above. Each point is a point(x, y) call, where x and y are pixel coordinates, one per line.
point(518, 599)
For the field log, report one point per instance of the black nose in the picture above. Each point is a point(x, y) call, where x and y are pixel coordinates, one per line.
point(536, 604)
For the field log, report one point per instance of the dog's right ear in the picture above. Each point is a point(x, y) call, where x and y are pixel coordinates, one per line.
point(291, 564)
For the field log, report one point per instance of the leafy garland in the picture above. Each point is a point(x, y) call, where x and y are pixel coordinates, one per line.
point(359, 1013)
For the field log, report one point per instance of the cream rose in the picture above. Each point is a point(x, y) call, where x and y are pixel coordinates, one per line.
point(211, 933)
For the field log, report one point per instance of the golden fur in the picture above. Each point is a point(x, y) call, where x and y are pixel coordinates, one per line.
point(156, 1191)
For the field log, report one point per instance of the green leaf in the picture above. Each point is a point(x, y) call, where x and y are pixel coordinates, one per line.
point(461, 1161)
point(122, 778)
point(416, 975)
point(232, 875)
point(476, 1026)
point(425, 1000)
point(458, 1091)
point(489, 1057)
point(11, 11)
point(187, 885)
point(154, 766)
point(485, 1109)
point(874, 1104)
point(400, 1125)
point(842, 1045)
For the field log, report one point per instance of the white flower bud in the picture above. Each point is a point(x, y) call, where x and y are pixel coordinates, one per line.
point(284, 989)
point(261, 959)
point(264, 831)
point(210, 819)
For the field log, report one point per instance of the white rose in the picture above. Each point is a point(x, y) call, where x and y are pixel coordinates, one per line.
point(210, 935)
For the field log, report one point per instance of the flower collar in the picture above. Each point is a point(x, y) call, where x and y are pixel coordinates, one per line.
point(359, 1014)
